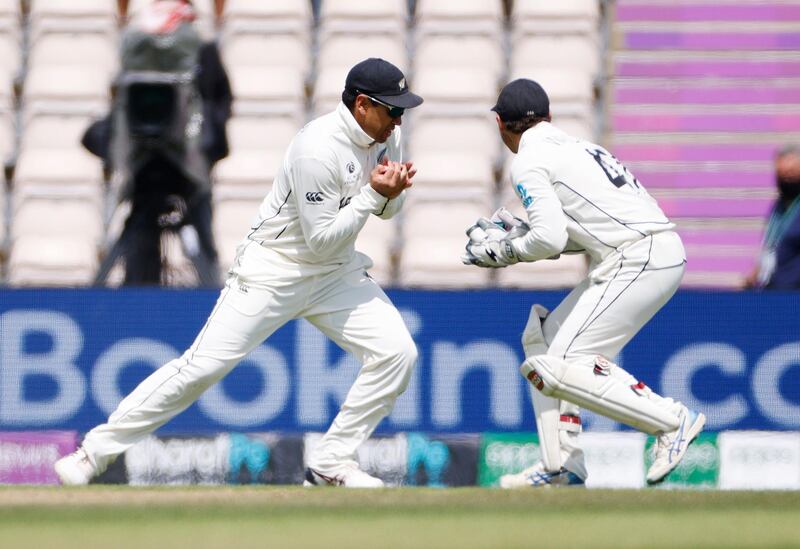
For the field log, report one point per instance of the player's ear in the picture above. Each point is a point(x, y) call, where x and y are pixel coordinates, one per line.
point(362, 103)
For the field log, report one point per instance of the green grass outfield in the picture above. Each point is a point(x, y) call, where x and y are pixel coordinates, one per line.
point(278, 517)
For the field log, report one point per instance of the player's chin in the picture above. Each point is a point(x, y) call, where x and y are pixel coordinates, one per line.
point(384, 137)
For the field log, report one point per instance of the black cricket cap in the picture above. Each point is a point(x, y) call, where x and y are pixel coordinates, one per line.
point(520, 98)
point(383, 81)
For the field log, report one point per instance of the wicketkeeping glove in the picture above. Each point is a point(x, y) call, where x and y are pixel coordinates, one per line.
point(488, 246)
point(508, 221)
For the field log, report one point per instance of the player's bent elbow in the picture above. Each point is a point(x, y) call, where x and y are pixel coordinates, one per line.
point(316, 245)
point(325, 245)
point(556, 242)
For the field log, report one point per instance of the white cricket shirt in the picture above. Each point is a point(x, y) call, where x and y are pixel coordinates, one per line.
point(320, 199)
point(578, 197)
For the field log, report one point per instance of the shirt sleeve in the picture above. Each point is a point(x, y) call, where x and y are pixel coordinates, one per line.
point(390, 206)
point(327, 227)
point(548, 224)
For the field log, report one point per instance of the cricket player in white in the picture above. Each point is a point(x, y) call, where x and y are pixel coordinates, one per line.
point(299, 261)
point(580, 199)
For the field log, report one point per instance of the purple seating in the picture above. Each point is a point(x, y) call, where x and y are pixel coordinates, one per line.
point(698, 262)
point(701, 109)
point(697, 152)
point(638, 40)
point(743, 68)
point(750, 238)
point(718, 95)
point(715, 207)
point(631, 11)
point(706, 122)
point(697, 179)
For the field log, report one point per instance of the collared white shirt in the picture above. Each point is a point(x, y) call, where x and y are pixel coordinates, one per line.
point(321, 198)
point(578, 197)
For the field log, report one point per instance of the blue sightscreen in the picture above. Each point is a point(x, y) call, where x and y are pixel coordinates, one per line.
point(68, 356)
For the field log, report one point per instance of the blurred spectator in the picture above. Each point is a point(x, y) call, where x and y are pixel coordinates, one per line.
point(779, 264)
point(165, 131)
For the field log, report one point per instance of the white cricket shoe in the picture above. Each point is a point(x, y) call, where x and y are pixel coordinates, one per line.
point(671, 447)
point(536, 476)
point(75, 469)
point(349, 477)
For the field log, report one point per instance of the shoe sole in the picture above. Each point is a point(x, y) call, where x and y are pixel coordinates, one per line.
point(574, 481)
point(691, 434)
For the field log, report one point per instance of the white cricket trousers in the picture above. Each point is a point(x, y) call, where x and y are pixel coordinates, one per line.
point(346, 305)
point(620, 295)
point(605, 311)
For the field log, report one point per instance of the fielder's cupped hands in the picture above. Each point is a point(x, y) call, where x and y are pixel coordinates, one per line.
point(412, 171)
point(389, 179)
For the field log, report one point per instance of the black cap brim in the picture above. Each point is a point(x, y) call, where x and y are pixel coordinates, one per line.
point(406, 100)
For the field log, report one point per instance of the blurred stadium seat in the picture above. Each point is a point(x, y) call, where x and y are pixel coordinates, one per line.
point(51, 261)
point(287, 16)
point(50, 154)
point(455, 51)
point(257, 147)
point(266, 51)
point(344, 51)
point(57, 16)
point(339, 52)
point(233, 216)
point(4, 220)
point(70, 10)
point(54, 237)
point(452, 173)
point(434, 240)
point(558, 18)
point(355, 17)
point(7, 137)
point(379, 240)
point(281, 90)
point(463, 17)
point(350, 32)
point(10, 55)
point(565, 52)
point(84, 49)
point(75, 83)
point(472, 135)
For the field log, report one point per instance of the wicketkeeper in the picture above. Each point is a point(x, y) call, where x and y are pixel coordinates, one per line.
point(580, 199)
point(299, 261)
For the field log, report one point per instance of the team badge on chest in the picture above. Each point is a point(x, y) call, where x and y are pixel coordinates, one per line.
point(352, 172)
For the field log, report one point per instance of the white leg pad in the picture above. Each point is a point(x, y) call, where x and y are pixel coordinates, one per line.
point(557, 421)
point(569, 428)
point(545, 408)
point(607, 389)
point(533, 340)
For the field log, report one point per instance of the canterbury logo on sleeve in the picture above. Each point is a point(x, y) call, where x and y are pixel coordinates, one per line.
point(314, 197)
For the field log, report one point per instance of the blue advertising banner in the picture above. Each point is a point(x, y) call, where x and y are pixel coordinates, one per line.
point(68, 356)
